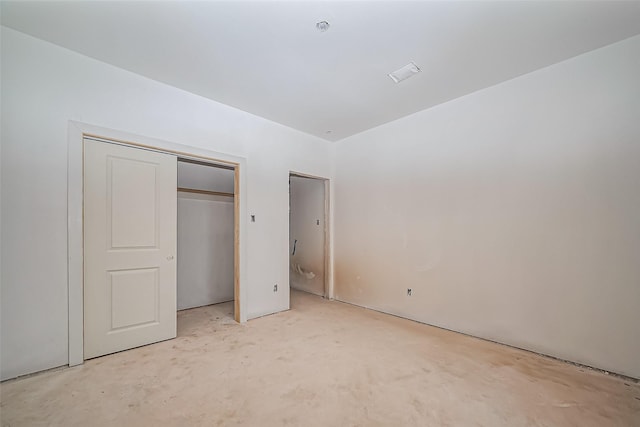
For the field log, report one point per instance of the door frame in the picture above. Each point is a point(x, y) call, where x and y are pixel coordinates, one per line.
point(77, 131)
point(328, 272)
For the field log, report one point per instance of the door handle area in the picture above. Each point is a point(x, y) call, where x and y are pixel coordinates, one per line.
point(170, 258)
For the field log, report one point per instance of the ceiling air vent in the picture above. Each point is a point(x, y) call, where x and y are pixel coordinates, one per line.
point(405, 72)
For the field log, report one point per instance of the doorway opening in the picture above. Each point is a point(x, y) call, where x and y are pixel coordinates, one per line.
point(308, 234)
point(205, 244)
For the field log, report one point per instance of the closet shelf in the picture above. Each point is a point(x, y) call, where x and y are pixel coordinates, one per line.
point(211, 193)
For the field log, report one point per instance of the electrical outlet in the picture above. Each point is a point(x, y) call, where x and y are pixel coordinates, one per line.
point(275, 288)
point(408, 292)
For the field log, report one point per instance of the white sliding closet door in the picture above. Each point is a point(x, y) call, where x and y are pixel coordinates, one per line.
point(130, 230)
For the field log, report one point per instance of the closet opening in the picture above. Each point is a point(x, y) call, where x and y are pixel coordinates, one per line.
point(205, 243)
point(308, 235)
point(123, 201)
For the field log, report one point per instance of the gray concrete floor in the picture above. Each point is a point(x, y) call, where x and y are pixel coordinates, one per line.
point(321, 364)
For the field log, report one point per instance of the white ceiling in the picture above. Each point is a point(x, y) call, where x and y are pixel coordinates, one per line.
point(267, 58)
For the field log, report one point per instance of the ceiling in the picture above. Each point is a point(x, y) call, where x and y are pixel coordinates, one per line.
point(268, 58)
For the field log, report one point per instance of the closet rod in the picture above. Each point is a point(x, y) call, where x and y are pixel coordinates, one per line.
point(209, 164)
point(211, 193)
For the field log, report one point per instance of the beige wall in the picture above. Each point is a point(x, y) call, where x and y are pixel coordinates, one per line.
point(513, 213)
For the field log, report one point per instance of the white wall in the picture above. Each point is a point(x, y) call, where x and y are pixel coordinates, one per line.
point(513, 213)
point(307, 208)
point(45, 86)
point(202, 177)
point(205, 249)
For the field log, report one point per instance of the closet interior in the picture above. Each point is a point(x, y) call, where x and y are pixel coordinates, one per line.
point(205, 268)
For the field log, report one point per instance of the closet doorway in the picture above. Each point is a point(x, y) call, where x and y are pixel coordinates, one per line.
point(308, 234)
point(205, 234)
point(123, 204)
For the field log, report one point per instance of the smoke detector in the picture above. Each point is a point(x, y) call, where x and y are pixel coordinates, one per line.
point(322, 26)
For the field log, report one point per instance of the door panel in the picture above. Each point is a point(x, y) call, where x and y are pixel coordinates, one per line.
point(134, 297)
point(131, 205)
point(130, 229)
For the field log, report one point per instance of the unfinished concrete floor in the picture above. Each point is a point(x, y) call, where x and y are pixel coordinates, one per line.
point(321, 364)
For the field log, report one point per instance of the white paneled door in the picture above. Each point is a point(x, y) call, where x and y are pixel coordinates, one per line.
point(130, 231)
